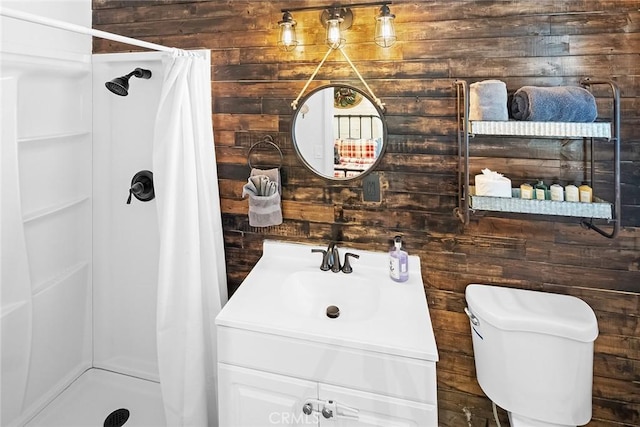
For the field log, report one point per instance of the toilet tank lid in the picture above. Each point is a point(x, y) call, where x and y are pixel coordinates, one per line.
point(533, 311)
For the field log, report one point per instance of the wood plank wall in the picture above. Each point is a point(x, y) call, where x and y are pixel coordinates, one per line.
point(522, 42)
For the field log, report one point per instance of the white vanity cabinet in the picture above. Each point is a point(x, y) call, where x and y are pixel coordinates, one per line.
point(249, 398)
point(265, 379)
point(280, 355)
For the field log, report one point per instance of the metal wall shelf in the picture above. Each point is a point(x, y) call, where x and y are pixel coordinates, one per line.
point(542, 129)
point(600, 209)
point(468, 202)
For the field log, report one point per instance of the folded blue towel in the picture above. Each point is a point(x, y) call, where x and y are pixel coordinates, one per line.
point(554, 104)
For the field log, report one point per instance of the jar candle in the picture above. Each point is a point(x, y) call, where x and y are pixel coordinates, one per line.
point(541, 190)
point(571, 193)
point(586, 193)
point(526, 191)
point(557, 193)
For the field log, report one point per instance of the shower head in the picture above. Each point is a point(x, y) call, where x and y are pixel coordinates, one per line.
point(120, 85)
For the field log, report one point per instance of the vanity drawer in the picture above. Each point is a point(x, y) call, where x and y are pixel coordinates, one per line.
point(389, 375)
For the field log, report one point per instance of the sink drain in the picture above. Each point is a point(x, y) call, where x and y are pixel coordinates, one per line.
point(117, 418)
point(333, 312)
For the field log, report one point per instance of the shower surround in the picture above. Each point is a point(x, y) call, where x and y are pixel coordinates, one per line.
point(125, 236)
point(79, 265)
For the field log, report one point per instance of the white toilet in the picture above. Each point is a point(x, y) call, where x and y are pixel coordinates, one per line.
point(533, 353)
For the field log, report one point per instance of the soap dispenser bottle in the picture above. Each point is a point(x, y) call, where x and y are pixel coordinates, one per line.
point(398, 261)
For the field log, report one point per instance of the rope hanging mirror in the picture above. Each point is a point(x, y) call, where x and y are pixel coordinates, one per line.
point(377, 100)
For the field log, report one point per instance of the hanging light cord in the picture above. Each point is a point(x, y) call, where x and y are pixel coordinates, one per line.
point(377, 100)
point(373, 95)
point(294, 104)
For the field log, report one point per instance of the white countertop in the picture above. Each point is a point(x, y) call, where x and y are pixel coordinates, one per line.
point(395, 322)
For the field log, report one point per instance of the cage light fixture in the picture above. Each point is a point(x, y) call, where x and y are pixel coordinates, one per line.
point(337, 19)
point(335, 38)
point(385, 31)
point(287, 40)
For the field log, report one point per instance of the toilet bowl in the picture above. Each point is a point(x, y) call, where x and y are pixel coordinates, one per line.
point(533, 353)
point(522, 421)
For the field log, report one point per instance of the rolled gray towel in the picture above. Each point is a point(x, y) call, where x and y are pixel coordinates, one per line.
point(554, 104)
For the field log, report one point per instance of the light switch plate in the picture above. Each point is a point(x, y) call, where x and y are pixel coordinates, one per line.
point(371, 188)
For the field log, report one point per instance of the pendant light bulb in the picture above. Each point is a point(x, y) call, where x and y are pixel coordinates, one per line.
point(385, 31)
point(287, 40)
point(335, 40)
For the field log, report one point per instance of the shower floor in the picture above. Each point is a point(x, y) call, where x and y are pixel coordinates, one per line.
point(96, 394)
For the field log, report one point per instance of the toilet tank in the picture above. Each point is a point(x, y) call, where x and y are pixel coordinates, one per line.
point(533, 351)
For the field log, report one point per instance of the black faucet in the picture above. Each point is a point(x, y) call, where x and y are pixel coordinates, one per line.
point(331, 259)
point(334, 257)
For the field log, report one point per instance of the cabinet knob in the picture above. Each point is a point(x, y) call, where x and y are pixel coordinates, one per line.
point(327, 413)
point(307, 409)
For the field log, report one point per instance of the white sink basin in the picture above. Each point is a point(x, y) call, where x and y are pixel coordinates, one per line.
point(310, 293)
point(287, 294)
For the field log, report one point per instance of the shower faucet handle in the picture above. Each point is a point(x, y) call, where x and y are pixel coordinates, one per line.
point(142, 187)
point(137, 189)
point(130, 194)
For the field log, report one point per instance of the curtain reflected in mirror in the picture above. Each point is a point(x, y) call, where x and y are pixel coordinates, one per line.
point(338, 132)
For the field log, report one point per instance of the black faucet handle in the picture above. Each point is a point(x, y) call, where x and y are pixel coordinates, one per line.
point(346, 268)
point(325, 259)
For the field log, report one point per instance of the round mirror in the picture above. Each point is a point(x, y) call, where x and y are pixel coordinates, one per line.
point(339, 132)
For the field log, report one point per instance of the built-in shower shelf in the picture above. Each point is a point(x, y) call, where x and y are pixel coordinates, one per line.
point(46, 61)
point(51, 210)
point(7, 309)
point(53, 137)
point(59, 277)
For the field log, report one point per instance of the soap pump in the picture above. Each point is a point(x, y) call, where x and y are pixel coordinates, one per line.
point(398, 261)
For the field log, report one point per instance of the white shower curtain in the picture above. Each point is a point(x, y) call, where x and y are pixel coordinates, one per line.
point(192, 277)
